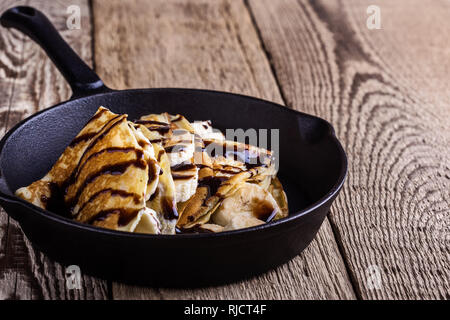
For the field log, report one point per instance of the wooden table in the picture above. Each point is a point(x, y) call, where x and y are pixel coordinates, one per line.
point(386, 91)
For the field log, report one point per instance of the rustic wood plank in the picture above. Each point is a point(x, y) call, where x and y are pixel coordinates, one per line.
point(386, 92)
point(29, 82)
point(207, 44)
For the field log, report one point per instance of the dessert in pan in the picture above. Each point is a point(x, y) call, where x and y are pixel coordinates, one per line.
point(160, 174)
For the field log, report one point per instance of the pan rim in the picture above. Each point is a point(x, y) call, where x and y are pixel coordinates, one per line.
point(85, 227)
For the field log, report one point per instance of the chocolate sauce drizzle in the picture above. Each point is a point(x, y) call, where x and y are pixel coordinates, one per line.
point(175, 147)
point(139, 155)
point(125, 215)
point(84, 137)
point(89, 135)
point(180, 168)
point(237, 153)
point(112, 193)
point(212, 183)
point(152, 171)
point(160, 153)
point(57, 203)
point(169, 208)
point(143, 143)
point(264, 210)
point(114, 169)
point(177, 118)
point(153, 125)
point(151, 122)
point(181, 177)
point(183, 167)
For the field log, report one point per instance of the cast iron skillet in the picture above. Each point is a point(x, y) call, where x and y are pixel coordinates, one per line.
point(313, 167)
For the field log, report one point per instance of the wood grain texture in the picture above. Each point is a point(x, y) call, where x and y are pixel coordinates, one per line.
point(213, 45)
point(30, 82)
point(386, 92)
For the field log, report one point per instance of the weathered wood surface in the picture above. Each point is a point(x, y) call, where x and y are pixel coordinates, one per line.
point(213, 45)
point(386, 92)
point(29, 82)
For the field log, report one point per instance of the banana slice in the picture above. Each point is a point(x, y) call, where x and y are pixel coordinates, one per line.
point(180, 122)
point(146, 221)
point(180, 147)
point(248, 203)
point(158, 126)
point(163, 201)
point(185, 177)
point(174, 132)
point(205, 130)
point(187, 209)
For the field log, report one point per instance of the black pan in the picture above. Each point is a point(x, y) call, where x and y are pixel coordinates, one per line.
point(313, 167)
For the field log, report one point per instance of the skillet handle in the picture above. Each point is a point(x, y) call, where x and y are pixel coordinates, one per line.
point(82, 79)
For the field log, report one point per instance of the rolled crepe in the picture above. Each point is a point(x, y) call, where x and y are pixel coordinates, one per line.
point(225, 167)
point(155, 174)
point(173, 132)
point(158, 127)
point(104, 177)
point(40, 192)
point(163, 201)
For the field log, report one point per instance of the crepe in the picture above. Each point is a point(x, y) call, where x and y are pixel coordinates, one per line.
point(158, 174)
point(164, 201)
point(225, 167)
point(277, 192)
point(104, 177)
point(39, 192)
